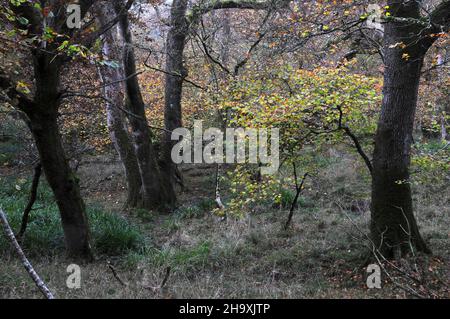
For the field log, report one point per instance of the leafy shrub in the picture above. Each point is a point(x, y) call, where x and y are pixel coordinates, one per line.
point(430, 164)
point(287, 197)
point(310, 109)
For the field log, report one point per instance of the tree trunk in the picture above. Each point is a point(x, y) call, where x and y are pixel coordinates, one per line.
point(158, 192)
point(393, 226)
point(114, 97)
point(444, 110)
point(62, 180)
point(175, 75)
point(226, 39)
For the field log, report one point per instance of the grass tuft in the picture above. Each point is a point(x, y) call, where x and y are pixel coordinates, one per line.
point(112, 234)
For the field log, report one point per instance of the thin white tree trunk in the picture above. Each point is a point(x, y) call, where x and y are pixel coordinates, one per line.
point(29, 268)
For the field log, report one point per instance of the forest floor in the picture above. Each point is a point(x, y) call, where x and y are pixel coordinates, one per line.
point(323, 255)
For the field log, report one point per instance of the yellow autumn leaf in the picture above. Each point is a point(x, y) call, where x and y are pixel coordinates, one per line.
point(22, 87)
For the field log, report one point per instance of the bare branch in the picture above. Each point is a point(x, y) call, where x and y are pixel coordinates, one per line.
point(204, 8)
point(298, 191)
point(29, 268)
point(31, 201)
point(116, 275)
point(355, 140)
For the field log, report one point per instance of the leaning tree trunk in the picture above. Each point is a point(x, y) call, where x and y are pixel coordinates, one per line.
point(64, 183)
point(158, 192)
point(393, 226)
point(175, 75)
point(114, 99)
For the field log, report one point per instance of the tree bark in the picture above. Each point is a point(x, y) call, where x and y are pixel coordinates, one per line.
point(28, 267)
point(158, 192)
point(175, 74)
point(63, 182)
point(114, 99)
point(394, 228)
point(226, 39)
point(42, 111)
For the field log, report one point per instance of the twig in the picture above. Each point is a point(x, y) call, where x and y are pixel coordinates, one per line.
point(163, 283)
point(31, 201)
point(377, 254)
point(29, 268)
point(116, 275)
point(127, 112)
point(359, 148)
point(209, 56)
point(298, 191)
point(244, 61)
point(198, 86)
point(166, 277)
point(355, 140)
point(65, 94)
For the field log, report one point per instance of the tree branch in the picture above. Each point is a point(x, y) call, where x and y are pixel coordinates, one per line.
point(355, 140)
point(440, 17)
point(90, 39)
point(298, 191)
point(212, 5)
point(29, 268)
point(31, 201)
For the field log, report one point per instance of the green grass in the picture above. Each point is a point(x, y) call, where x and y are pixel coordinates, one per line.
point(321, 255)
point(112, 234)
point(288, 196)
point(183, 259)
point(188, 257)
point(188, 212)
point(431, 146)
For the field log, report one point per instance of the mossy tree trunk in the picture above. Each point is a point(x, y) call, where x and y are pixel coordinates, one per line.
point(176, 72)
point(113, 93)
point(407, 39)
point(62, 180)
point(157, 191)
